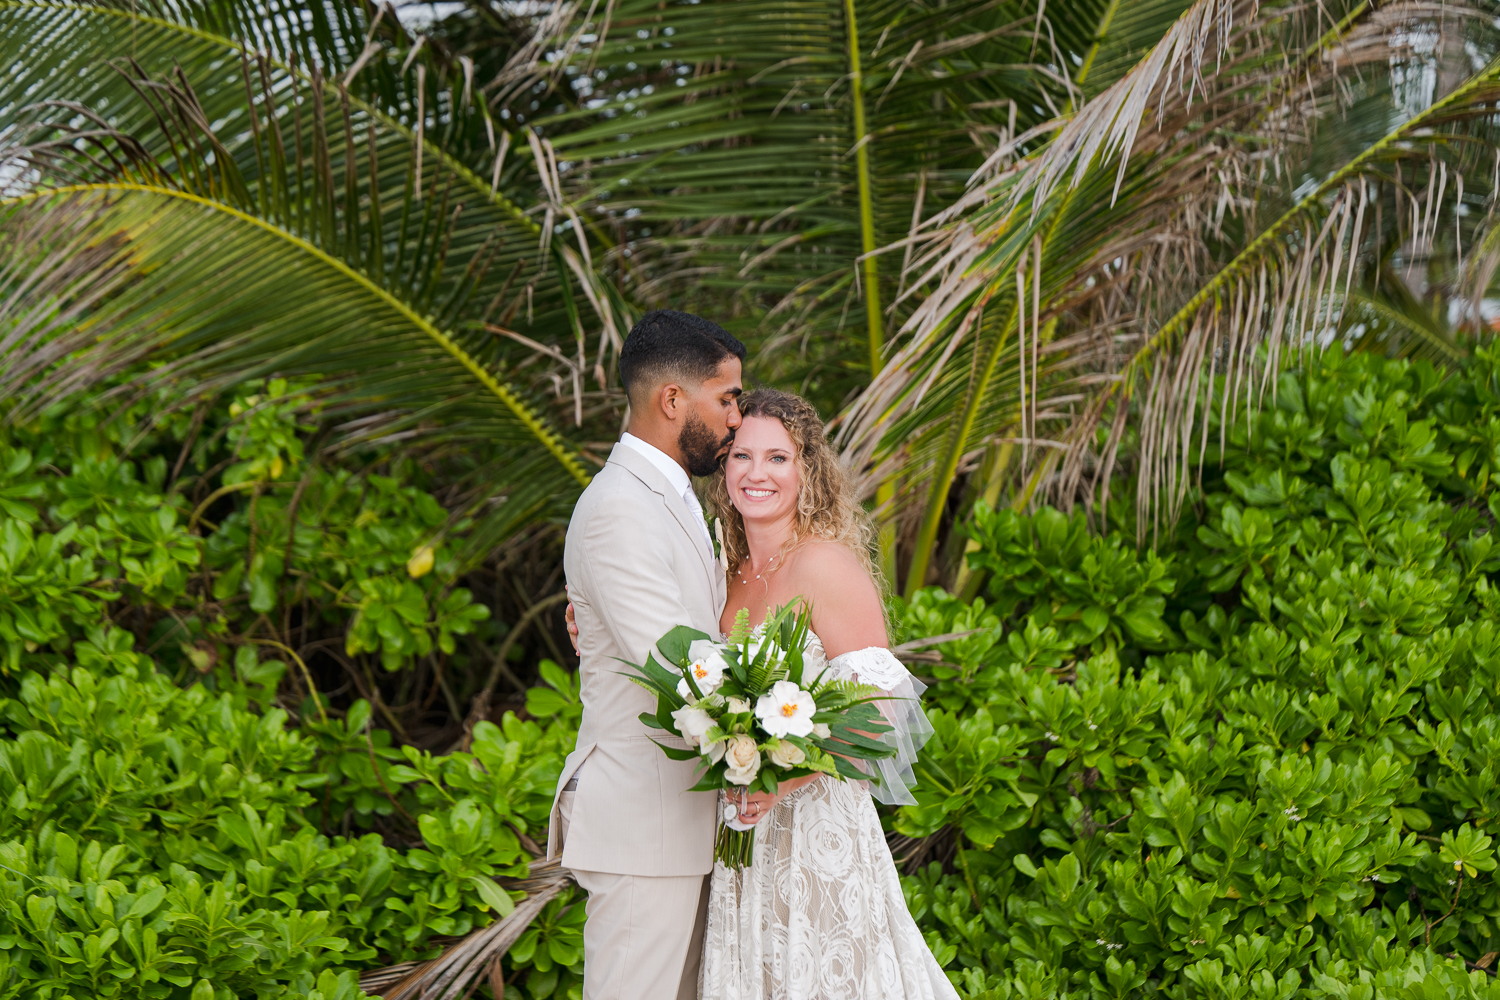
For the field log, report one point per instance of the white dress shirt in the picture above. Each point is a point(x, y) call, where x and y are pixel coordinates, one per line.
point(676, 475)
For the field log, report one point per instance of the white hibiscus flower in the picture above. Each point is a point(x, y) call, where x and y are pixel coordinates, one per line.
point(786, 710)
point(693, 723)
point(706, 665)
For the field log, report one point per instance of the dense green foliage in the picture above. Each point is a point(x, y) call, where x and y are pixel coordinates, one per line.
point(249, 644)
point(174, 820)
point(1258, 761)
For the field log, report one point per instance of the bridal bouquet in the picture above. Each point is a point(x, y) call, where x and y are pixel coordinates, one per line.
point(754, 717)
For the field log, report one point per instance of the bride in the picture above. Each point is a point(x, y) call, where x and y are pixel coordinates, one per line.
point(819, 913)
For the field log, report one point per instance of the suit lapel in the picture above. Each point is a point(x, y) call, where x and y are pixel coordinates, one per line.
point(647, 473)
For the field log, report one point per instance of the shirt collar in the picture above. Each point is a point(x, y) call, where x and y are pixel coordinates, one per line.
point(664, 463)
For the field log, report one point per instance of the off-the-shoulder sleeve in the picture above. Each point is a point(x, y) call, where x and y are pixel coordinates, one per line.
point(903, 710)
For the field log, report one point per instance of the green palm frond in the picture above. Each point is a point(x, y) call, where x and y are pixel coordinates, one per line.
point(748, 155)
point(1393, 315)
point(835, 694)
point(311, 237)
point(750, 159)
point(419, 111)
point(764, 672)
point(1197, 208)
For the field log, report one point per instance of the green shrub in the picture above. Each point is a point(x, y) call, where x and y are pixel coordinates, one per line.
point(154, 836)
point(174, 824)
point(1257, 761)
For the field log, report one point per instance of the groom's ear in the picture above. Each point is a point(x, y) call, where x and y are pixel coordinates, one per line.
point(672, 399)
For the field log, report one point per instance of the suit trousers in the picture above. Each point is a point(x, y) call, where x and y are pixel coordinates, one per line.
point(644, 936)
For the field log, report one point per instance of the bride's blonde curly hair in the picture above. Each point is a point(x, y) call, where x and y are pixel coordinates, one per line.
point(827, 507)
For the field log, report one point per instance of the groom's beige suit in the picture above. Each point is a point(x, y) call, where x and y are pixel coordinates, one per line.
point(638, 561)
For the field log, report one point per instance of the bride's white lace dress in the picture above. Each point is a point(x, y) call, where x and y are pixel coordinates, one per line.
point(819, 914)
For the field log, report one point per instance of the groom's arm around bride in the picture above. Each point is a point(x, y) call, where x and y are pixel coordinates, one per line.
point(639, 560)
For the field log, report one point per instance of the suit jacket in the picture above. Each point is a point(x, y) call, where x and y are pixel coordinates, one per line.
point(636, 566)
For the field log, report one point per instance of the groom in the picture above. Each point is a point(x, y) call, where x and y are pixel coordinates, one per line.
point(639, 560)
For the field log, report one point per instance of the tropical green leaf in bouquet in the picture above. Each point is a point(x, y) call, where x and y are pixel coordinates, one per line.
point(857, 745)
point(676, 643)
point(658, 679)
point(665, 706)
point(850, 771)
point(740, 631)
point(679, 753)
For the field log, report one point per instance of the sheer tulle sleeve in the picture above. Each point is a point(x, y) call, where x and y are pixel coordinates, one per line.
point(903, 710)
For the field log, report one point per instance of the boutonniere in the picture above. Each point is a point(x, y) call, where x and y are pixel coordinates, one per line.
point(718, 540)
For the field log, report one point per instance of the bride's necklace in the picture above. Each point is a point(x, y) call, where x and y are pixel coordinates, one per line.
point(772, 564)
point(770, 568)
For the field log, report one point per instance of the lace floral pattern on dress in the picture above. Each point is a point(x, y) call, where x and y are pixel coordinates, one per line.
point(875, 665)
point(819, 914)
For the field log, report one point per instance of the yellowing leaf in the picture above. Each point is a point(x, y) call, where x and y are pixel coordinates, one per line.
point(420, 563)
point(495, 897)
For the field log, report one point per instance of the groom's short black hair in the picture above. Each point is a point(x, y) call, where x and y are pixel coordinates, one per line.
point(668, 345)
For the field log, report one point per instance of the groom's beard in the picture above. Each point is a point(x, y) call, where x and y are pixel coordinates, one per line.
point(700, 449)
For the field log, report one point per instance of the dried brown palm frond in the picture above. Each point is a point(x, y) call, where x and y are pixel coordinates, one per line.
point(456, 972)
point(1191, 225)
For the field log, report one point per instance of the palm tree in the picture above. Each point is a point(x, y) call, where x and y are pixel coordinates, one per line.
point(1269, 177)
point(865, 185)
point(174, 192)
point(770, 149)
point(751, 159)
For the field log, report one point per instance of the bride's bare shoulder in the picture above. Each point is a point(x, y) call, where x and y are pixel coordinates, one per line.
point(821, 555)
point(846, 607)
point(825, 567)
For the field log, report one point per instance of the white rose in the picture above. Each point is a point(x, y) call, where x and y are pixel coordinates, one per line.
point(743, 760)
point(821, 730)
point(786, 754)
point(706, 665)
point(692, 723)
point(786, 710)
point(738, 706)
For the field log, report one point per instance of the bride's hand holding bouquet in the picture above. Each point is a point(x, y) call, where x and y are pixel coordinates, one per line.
point(752, 717)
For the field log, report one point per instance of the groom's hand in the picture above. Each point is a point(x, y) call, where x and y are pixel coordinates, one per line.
point(572, 627)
